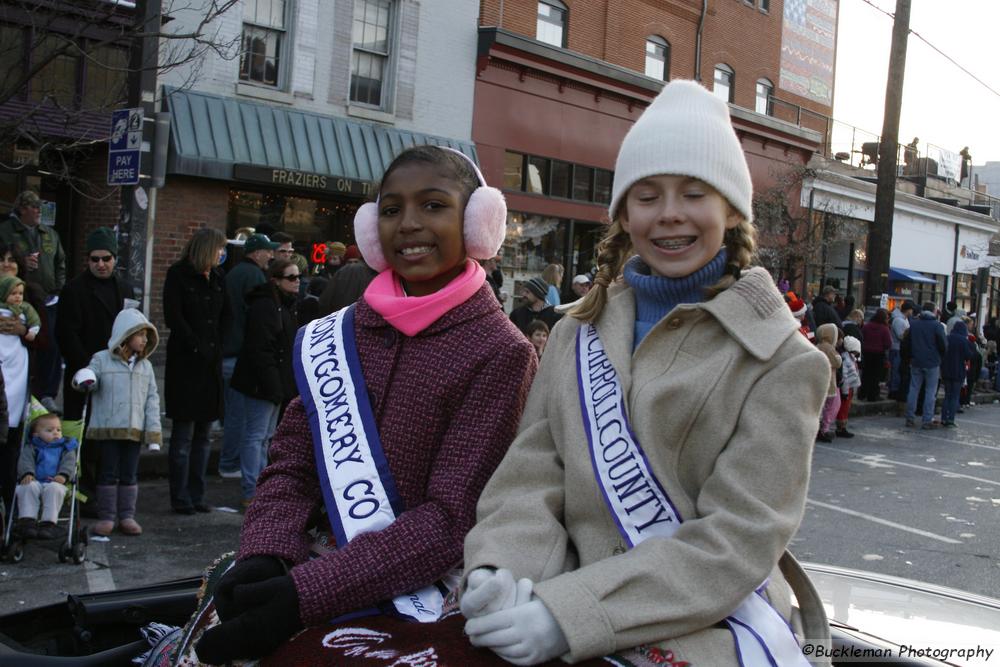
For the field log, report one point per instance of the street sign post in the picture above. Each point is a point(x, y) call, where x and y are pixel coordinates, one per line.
point(124, 147)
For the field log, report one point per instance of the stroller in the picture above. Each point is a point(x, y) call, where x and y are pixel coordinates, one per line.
point(74, 541)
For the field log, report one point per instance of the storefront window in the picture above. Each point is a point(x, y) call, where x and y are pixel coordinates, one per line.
point(312, 222)
point(538, 175)
point(532, 241)
point(582, 182)
point(513, 171)
point(586, 236)
point(963, 292)
point(560, 179)
point(602, 186)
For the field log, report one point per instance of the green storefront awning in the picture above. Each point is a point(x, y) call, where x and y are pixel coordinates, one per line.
point(213, 137)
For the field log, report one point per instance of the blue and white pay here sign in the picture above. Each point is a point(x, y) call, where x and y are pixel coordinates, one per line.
point(124, 147)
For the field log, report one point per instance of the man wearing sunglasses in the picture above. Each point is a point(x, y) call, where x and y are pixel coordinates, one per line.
point(46, 265)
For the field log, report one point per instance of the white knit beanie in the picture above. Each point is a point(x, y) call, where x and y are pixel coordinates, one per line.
point(686, 131)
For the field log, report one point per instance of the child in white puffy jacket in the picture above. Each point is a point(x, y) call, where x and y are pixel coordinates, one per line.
point(124, 413)
point(850, 382)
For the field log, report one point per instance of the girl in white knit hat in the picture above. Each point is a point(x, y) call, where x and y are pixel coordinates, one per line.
point(660, 469)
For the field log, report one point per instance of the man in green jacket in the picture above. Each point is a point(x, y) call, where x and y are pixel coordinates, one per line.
point(46, 265)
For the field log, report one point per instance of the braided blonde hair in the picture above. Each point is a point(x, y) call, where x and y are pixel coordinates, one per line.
point(616, 248)
point(741, 246)
point(612, 253)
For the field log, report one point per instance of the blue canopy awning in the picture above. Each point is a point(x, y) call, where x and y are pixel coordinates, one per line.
point(210, 134)
point(907, 276)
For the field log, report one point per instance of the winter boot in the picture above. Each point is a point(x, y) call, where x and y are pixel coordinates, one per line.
point(127, 496)
point(107, 510)
point(26, 527)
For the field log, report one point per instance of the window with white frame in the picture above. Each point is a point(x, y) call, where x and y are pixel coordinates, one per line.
point(658, 58)
point(265, 29)
point(765, 89)
point(551, 27)
point(370, 58)
point(724, 79)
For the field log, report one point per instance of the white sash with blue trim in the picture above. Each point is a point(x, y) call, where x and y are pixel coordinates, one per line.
point(358, 488)
point(642, 509)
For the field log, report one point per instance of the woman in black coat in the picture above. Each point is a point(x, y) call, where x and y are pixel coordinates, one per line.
point(194, 305)
point(263, 371)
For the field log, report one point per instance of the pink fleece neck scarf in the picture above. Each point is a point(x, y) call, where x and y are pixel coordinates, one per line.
point(413, 314)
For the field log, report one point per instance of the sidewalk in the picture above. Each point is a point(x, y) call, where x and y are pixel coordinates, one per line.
point(887, 407)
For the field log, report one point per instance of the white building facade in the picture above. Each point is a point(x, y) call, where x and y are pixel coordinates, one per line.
point(939, 252)
point(305, 102)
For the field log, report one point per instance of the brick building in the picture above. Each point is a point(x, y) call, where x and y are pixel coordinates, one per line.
point(559, 83)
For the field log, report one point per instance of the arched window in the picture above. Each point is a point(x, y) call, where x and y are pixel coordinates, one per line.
point(658, 58)
point(725, 80)
point(765, 90)
point(551, 25)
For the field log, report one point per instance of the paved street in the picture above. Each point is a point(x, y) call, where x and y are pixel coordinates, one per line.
point(918, 504)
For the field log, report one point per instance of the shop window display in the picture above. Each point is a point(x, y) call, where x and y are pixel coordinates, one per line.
point(312, 222)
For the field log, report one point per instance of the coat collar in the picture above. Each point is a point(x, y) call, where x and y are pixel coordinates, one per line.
point(751, 311)
point(479, 304)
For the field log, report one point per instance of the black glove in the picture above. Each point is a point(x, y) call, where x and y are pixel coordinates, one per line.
point(249, 571)
point(272, 617)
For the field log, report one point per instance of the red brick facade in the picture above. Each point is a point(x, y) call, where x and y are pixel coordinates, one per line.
point(183, 206)
point(735, 32)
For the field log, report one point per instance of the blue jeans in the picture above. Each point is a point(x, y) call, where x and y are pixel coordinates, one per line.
point(261, 420)
point(234, 420)
point(952, 392)
point(893, 370)
point(188, 461)
point(929, 378)
point(119, 462)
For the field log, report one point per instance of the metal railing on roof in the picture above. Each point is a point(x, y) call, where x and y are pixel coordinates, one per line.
point(859, 148)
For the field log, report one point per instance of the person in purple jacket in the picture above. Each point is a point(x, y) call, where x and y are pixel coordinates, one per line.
point(408, 402)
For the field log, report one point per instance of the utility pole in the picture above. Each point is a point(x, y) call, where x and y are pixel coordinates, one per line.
point(135, 199)
point(880, 234)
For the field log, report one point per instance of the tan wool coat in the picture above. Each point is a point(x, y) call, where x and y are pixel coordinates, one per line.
point(724, 397)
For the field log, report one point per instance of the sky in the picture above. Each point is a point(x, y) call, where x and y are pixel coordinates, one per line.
point(942, 105)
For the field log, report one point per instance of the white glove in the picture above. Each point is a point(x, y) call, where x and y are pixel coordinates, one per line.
point(84, 380)
point(523, 635)
point(489, 591)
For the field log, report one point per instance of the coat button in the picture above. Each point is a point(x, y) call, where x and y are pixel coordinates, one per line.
point(674, 323)
point(390, 338)
point(619, 550)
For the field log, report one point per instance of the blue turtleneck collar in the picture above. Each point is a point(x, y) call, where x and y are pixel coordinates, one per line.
point(655, 296)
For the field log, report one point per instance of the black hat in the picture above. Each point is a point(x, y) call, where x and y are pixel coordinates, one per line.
point(102, 238)
point(538, 287)
point(258, 242)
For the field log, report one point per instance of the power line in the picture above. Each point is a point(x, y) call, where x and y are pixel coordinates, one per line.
point(939, 51)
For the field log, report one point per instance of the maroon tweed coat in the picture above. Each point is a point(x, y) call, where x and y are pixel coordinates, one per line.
point(447, 403)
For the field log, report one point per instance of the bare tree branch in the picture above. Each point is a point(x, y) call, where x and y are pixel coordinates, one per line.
point(47, 46)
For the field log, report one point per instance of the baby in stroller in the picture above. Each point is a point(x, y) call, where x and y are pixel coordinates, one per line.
point(47, 462)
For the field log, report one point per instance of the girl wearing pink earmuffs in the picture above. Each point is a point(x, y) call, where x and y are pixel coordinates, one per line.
point(408, 402)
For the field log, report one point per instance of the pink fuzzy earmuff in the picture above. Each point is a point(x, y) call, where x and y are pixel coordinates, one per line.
point(484, 223)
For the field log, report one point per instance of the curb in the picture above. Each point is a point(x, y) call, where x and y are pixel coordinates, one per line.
point(887, 407)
